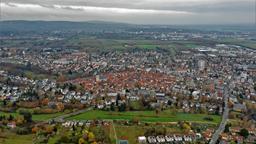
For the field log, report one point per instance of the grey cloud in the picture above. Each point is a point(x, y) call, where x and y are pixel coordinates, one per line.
point(135, 11)
point(182, 5)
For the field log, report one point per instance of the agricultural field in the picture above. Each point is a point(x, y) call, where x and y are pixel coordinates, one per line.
point(91, 43)
point(146, 116)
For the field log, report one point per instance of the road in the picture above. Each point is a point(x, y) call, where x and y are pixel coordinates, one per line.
point(224, 117)
point(114, 131)
point(62, 117)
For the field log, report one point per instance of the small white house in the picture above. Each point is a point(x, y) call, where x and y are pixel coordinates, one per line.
point(142, 139)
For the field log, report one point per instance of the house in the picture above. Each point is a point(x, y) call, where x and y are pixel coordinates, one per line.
point(177, 138)
point(100, 106)
point(11, 125)
point(123, 142)
point(187, 138)
point(152, 139)
point(169, 138)
point(100, 78)
point(251, 69)
point(251, 139)
point(144, 93)
point(253, 117)
point(207, 134)
point(133, 98)
point(234, 130)
point(160, 139)
point(160, 95)
point(142, 139)
point(155, 105)
point(112, 94)
point(252, 131)
point(239, 107)
point(238, 139)
point(224, 136)
point(198, 136)
point(195, 94)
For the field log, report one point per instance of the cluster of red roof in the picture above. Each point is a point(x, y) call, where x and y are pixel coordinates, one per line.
point(129, 79)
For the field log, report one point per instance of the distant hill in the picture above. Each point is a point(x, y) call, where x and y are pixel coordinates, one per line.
point(44, 26)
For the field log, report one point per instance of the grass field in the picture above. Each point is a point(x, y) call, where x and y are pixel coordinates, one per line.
point(146, 116)
point(37, 117)
point(131, 133)
point(12, 138)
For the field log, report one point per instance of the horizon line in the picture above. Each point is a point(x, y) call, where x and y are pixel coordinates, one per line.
point(139, 24)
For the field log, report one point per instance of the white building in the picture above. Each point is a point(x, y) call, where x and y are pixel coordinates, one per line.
point(201, 65)
point(142, 139)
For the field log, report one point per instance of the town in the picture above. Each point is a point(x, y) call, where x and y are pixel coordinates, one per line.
point(158, 87)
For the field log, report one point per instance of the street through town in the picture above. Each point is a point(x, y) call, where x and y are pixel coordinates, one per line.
point(224, 117)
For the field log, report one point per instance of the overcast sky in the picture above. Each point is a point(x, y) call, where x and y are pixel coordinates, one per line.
point(133, 11)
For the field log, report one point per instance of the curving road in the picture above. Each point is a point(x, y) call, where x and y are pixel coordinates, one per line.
point(62, 117)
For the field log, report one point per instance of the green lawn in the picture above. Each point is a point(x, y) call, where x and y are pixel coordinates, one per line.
point(147, 116)
point(37, 117)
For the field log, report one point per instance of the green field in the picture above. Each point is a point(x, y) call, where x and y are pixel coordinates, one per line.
point(43, 117)
point(12, 138)
point(191, 45)
point(112, 44)
point(37, 117)
point(146, 116)
point(148, 46)
point(130, 133)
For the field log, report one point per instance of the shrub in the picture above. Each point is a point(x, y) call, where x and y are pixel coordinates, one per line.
point(244, 133)
point(64, 139)
point(208, 118)
point(23, 110)
point(27, 116)
point(22, 131)
point(35, 129)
